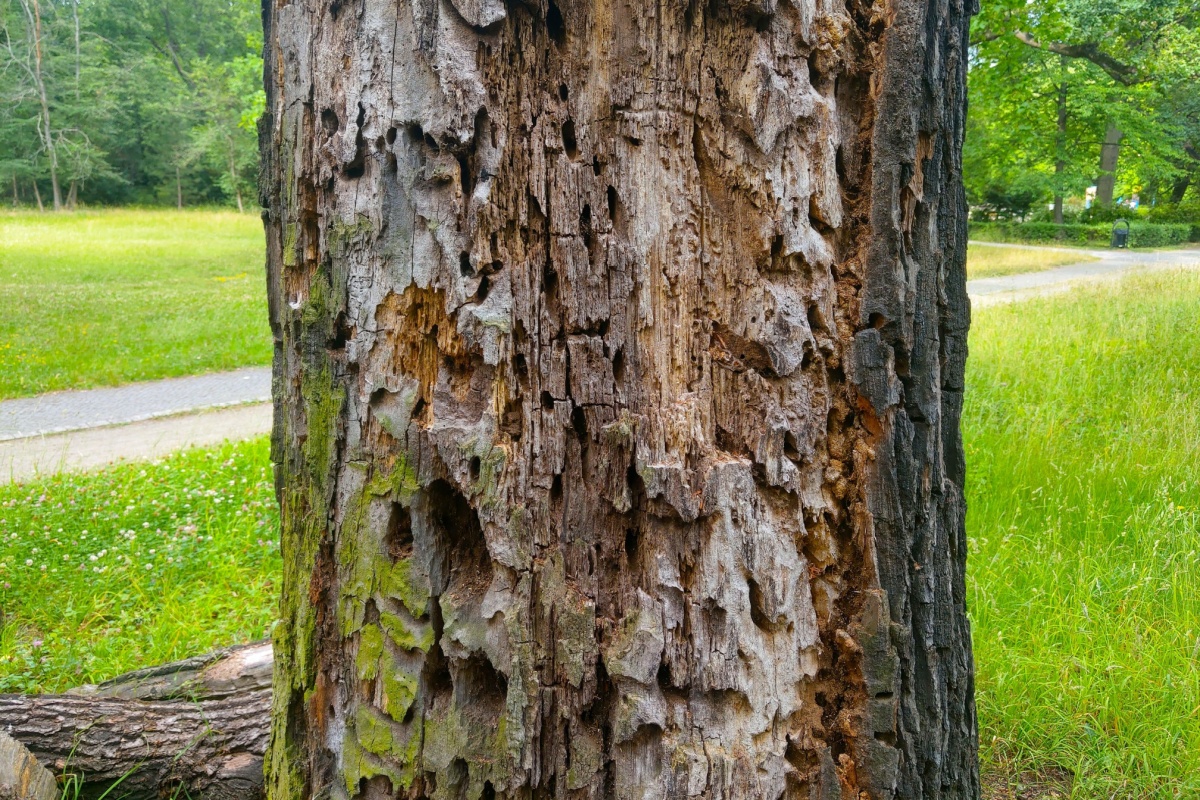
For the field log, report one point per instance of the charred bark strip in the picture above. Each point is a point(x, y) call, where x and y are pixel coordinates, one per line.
point(619, 358)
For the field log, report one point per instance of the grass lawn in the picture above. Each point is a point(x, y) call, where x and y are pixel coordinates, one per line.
point(984, 261)
point(1082, 442)
point(98, 298)
point(135, 565)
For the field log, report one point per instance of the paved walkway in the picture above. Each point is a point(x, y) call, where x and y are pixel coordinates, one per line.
point(86, 429)
point(22, 459)
point(70, 411)
point(1109, 263)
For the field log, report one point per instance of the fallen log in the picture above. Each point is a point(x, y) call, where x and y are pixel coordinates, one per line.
point(196, 727)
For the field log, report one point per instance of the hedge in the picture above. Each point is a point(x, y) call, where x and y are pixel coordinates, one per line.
point(1141, 234)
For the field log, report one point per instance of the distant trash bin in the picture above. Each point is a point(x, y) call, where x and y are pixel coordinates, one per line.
point(1120, 236)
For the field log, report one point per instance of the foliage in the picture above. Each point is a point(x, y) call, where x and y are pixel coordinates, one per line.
point(106, 297)
point(990, 261)
point(1084, 535)
point(1130, 64)
point(1141, 234)
point(135, 565)
point(142, 101)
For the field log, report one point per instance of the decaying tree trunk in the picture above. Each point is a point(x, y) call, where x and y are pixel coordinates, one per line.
point(619, 361)
point(196, 728)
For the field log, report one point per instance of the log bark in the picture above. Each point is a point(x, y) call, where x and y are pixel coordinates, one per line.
point(619, 354)
point(199, 725)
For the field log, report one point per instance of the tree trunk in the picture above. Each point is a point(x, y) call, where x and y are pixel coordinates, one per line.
point(178, 189)
point(1060, 146)
point(1109, 151)
point(72, 196)
point(1179, 188)
point(16, 193)
point(619, 362)
point(33, 16)
point(37, 195)
point(233, 176)
point(196, 728)
point(212, 748)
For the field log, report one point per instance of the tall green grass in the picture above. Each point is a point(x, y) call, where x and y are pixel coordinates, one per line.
point(1082, 430)
point(135, 565)
point(100, 298)
point(989, 261)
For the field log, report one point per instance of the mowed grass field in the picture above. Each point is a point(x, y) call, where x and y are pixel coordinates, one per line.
point(98, 298)
point(1083, 453)
point(136, 565)
point(986, 261)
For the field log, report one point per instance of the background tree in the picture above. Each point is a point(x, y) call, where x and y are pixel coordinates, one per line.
point(1113, 70)
point(618, 374)
point(145, 98)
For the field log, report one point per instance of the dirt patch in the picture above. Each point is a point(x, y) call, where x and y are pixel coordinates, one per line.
point(1045, 784)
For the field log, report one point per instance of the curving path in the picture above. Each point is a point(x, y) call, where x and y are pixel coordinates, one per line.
point(75, 430)
point(1110, 263)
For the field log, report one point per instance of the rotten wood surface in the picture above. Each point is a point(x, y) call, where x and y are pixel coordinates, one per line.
point(619, 352)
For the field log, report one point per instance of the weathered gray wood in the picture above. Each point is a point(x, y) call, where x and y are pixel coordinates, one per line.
point(21, 776)
point(221, 673)
point(619, 349)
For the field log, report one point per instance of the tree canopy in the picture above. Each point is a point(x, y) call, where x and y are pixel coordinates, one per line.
point(129, 101)
point(1051, 80)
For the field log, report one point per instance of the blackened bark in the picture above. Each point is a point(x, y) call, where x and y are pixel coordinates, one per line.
point(619, 365)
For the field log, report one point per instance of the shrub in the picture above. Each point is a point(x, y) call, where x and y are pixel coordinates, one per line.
point(1141, 234)
point(1185, 213)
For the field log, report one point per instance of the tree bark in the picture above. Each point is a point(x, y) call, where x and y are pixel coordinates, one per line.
point(619, 363)
point(1109, 152)
point(199, 725)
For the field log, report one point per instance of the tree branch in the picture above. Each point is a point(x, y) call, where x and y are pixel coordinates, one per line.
point(1120, 72)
